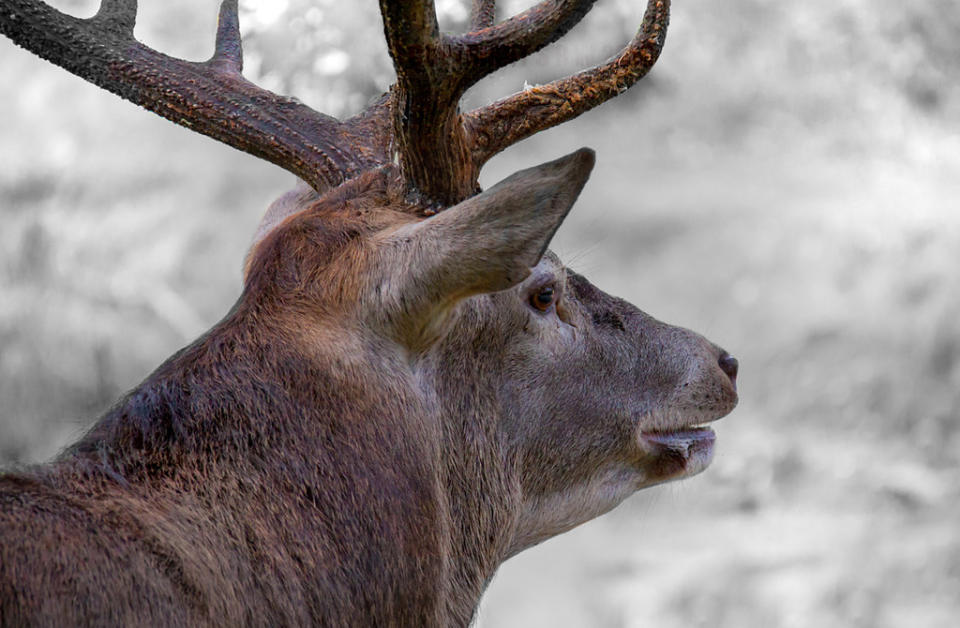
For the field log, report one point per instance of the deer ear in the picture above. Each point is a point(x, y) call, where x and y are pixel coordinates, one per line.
point(487, 243)
point(491, 241)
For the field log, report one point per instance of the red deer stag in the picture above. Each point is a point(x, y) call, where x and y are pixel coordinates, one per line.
point(411, 388)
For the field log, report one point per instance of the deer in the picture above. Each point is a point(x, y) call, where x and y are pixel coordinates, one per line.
point(412, 387)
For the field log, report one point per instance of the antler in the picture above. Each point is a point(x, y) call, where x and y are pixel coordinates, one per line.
point(440, 151)
point(434, 71)
point(418, 124)
point(483, 13)
point(510, 120)
point(210, 97)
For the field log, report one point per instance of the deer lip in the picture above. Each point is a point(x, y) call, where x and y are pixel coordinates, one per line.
point(685, 438)
point(690, 440)
point(683, 451)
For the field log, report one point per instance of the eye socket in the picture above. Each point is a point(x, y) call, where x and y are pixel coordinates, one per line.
point(543, 298)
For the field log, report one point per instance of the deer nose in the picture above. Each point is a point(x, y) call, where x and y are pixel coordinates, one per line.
point(728, 364)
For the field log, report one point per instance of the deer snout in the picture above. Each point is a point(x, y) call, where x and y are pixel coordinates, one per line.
point(708, 389)
point(729, 365)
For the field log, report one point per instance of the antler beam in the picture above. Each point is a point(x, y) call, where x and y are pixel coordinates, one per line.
point(430, 140)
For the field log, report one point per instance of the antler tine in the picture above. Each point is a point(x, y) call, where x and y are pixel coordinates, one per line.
point(482, 52)
point(228, 53)
point(483, 13)
point(118, 14)
point(413, 38)
point(495, 127)
point(210, 98)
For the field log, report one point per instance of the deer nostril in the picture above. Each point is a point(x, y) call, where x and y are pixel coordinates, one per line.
point(728, 364)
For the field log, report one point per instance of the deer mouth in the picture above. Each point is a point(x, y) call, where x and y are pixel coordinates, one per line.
point(679, 452)
point(684, 439)
point(681, 446)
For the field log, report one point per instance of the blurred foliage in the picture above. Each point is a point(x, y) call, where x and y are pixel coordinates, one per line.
point(807, 68)
point(331, 55)
point(865, 70)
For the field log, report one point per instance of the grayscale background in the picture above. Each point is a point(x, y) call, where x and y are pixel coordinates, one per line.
point(786, 182)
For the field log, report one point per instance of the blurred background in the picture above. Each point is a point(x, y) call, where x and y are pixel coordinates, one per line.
point(785, 181)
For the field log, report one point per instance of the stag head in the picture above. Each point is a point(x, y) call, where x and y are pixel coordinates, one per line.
point(411, 381)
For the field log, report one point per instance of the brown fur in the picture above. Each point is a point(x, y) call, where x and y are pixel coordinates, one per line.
point(310, 460)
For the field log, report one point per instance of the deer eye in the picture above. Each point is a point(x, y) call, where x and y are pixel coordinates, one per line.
point(543, 298)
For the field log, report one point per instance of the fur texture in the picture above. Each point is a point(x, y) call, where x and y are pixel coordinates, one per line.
point(380, 421)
